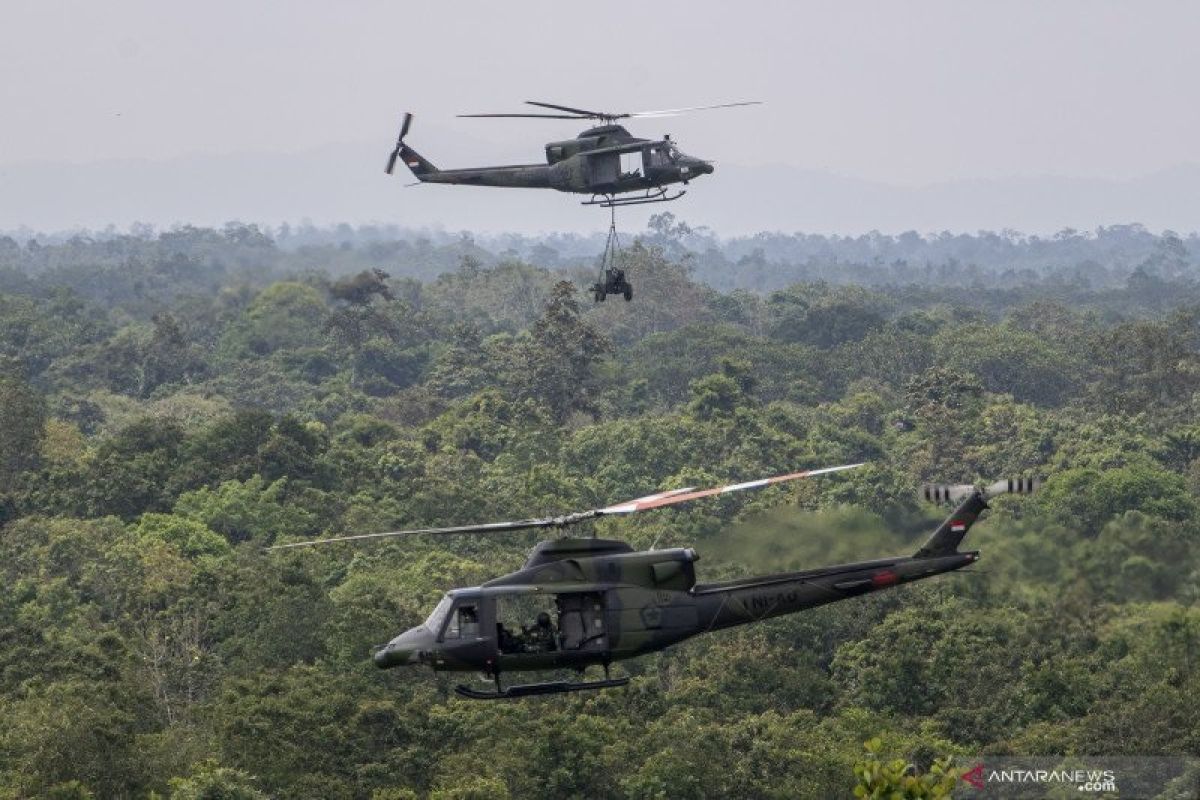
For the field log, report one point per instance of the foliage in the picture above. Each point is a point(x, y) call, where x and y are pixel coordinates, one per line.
point(213, 782)
point(896, 780)
point(22, 425)
point(171, 404)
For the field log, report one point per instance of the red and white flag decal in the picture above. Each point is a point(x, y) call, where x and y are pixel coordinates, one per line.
point(958, 526)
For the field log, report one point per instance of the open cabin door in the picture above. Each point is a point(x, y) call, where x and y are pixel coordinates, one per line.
point(632, 164)
point(538, 623)
point(581, 621)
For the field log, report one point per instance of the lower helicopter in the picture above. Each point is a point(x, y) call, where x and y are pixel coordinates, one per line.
point(580, 602)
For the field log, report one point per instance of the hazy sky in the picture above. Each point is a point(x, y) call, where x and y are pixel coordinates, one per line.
point(909, 93)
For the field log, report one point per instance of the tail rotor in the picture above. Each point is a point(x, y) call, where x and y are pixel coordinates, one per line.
point(404, 126)
point(1013, 486)
point(971, 501)
point(946, 493)
point(952, 493)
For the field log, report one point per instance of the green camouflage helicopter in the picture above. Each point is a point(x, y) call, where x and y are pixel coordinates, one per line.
point(603, 161)
point(579, 602)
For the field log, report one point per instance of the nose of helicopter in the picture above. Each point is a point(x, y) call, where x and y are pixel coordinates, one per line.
point(390, 656)
point(406, 648)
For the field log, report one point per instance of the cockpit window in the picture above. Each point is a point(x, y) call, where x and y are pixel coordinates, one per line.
point(662, 155)
point(438, 616)
point(464, 622)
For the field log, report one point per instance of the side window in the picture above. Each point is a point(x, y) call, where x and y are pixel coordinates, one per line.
point(631, 163)
point(464, 622)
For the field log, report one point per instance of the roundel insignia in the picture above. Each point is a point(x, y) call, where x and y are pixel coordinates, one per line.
point(652, 616)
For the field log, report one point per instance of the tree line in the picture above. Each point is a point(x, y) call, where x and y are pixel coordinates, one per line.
point(171, 404)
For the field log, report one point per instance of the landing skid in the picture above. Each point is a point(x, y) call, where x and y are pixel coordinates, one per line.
point(611, 201)
point(531, 689)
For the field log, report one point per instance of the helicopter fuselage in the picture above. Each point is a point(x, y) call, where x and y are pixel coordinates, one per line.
point(620, 604)
point(579, 602)
point(605, 160)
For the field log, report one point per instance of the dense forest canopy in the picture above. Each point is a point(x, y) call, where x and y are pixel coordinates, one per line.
point(172, 402)
point(1104, 258)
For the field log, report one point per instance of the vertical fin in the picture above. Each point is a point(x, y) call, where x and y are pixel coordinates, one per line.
point(417, 163)
point(945, 540)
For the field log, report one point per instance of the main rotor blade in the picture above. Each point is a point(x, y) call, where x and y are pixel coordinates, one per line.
point(684, 495)
point(667, 112)
point(667, 498)
point(582, 111)
point(530, 116)
point(486, 527)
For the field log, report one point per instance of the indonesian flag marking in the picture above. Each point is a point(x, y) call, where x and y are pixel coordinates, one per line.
point(958, 526)
point(884, 578)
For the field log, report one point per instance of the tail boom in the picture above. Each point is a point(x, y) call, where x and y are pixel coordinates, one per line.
point(520, 176)
point(724, 605)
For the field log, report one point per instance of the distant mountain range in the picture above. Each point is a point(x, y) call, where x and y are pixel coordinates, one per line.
point(345, 183)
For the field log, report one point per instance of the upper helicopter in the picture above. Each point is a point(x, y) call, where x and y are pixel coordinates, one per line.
point(579, 602)
point(603, 161)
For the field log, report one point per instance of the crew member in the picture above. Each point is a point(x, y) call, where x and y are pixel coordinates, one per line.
point(540, 637)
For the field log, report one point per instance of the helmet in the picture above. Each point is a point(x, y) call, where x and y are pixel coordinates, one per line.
point(543, 619)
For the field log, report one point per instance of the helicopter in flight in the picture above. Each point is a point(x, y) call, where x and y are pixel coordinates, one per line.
point(580, 602)
point(604, 161)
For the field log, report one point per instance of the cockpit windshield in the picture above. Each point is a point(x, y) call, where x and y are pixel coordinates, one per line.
point(662, 155)
point(438, 616)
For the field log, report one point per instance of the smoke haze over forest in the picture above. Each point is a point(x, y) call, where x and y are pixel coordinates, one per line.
point(345, 183)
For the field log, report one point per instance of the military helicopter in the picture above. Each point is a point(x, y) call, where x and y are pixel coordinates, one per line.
point(603, 161)
point(593, 601)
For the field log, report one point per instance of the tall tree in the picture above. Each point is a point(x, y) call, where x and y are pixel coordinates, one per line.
point(555, 363)
point(22, 423)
